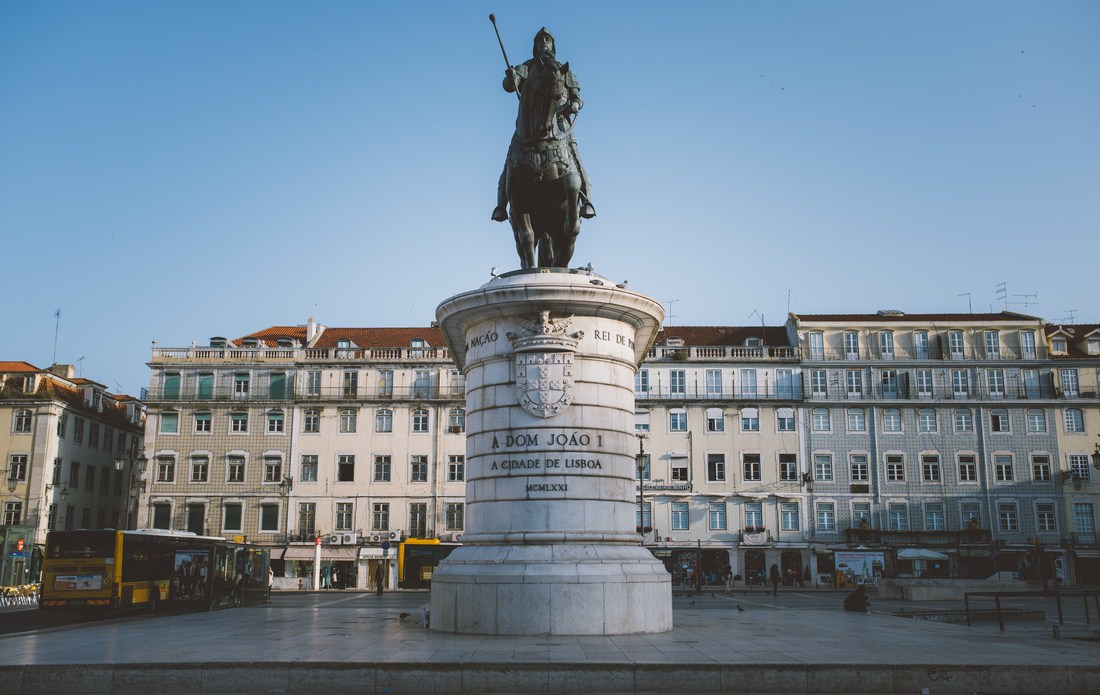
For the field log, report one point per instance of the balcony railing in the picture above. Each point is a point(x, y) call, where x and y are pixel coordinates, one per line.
point(663, 392)
point(298, 355)
point(724, 353)
point(294, 394)
point(911, 354)
point(836, 390)
point(945, 539)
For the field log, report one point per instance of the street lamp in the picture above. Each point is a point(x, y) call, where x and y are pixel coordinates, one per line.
point(808, 481)
point(139, 463)
point(1096, 457)
point(285, 486)
point(640, 462)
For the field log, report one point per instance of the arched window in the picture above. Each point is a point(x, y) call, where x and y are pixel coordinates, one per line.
point(857, 420)
point(750, 419)
point(820, 420)
point(456, 420)
point(891, 420)
point(964, 420)
point(420, 420)
point(1036, 420)
point(1075, 421)
point(383, 420)
point(348, 421)
point(21, 421)
point(926, 420)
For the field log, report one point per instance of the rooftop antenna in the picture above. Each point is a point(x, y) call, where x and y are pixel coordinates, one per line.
point(80, 366)
point(1002, 293)
point(56, 330)
point(969, 303)
point(757, 313)
point(1028, 299)
point(669, 316)
point(1070, 316)
point(788, 300)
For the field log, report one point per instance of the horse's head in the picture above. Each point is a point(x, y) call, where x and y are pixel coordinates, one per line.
point(543, 94)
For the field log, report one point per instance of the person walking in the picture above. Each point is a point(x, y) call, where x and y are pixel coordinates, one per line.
point(379, 577)
point(775, 579)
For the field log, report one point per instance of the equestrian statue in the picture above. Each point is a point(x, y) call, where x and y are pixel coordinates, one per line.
point(543, 190)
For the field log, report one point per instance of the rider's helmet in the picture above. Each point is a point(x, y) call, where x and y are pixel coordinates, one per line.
point(553, 43)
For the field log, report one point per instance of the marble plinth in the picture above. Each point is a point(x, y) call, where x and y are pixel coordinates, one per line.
point(550, 545)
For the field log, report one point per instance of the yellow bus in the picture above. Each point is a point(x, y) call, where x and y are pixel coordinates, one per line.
point(110, 569)
point(417, 559)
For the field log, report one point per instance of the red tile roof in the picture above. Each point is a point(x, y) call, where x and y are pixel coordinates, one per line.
point(270, 336)
point(18, 367)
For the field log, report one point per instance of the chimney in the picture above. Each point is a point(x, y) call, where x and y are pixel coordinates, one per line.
point(65, 371)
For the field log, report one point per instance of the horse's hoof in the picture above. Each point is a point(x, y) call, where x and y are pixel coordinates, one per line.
point(500, 215)
point(587, 211)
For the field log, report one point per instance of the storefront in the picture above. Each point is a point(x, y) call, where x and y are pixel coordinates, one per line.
point(695, 567)
point(338, 568)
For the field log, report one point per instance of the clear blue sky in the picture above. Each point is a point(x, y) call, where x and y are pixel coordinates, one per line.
point(178, 170)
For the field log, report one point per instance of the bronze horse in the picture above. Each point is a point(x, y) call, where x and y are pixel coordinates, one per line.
point(544, 181)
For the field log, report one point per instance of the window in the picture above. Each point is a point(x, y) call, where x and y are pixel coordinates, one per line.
point(754, 515)
point(788, 467)
point(677, 420)
point(826, 516)
point(93, 435)
point(418, 469)
point(642, 471)
point(930, 468)
point(714, 382)
point(784, 383)
point(421, 381)
point(716, 420)
point(716, 468)
point(886, 345)
point(382, 468)
point(51, 518)
point(240, 385)
point(676, 381)
point(788, 516)
point(891, 420)
point(313, 383)
point(1036, 420)
point(1040, 468)
point(995, 382)
point(308, 471)
point(998, 420)
point(748, 383)
point(1079, 467)
point(817, 346)
point(269, 517)
point(897, 515)
point(74, 474)
point(17, 467)
point(889, 379)
point(955, 344)
point(307, 518)
point(750, 420)
point(860, 514)
point(818, 382)
point(456, 468)
point(350, 385)
point(643, 517)
point(920, 344)
point(55, 478)
point(238, 422)
point(345, 468)
point(971, 514)
point(383, 420)
point(61, 421)
point(820, 420)
point(204, 423)
point(1007, 518)
point(456, 516)
point(349, 421)
point(89, 478)
point(857, 420)
point(823, 466)
point(680, 516)
point(964, 420)
point(344, 516)
point(169, 423)
point(927, 421)
point(233, 516)
point(1075, 421)
point(311, 421)
point(234, 469)
point(716, 516)
point(1045, 517)
point(861, 472)
point(385, 382)
point(679, 469)
point(993, 345)
point(933, 517)
point(1027, 345)
point(275, 422)
point(166, 470)
point(171, 386)
point(750, 466)
point(456, 420)
point(273, 469)
point(968, 468)
point(200, 469)
point(960, 383)
point(418, 519)
point(420, 420)
point(641, 381)
point(641, 421)
point(851, 345)
point(784, 418)
point(924, 383)
point(1084, 521)
point(1069, 383)
point(853, 378)
point(13, 513)
point(895, 468)
point(1002, 468)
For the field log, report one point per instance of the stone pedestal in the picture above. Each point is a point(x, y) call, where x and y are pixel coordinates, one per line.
point(550, 545)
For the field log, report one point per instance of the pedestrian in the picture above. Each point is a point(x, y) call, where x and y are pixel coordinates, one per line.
point(857, 600)
point(379, 576)
point(775, 579)
point(270, 582)
point(729, 580)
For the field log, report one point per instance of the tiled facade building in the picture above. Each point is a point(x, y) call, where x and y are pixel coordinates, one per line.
point(956, 445)
point(71, 459)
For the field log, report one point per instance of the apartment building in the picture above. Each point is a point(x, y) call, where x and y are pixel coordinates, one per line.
point(71, 459)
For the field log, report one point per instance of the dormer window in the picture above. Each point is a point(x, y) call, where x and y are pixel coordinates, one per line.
point(1093, 346)
point(753, 342)
point(285, 343)
point(250, 343)
point(1058, 345)
point(675, 342)
point(218, 342)
point(417, 346)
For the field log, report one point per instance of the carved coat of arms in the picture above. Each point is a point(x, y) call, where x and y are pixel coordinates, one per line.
point(544, 364)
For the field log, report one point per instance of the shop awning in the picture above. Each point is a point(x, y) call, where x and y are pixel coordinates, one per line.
point(920, 554)
point(1087, 553)
point(306, 552)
